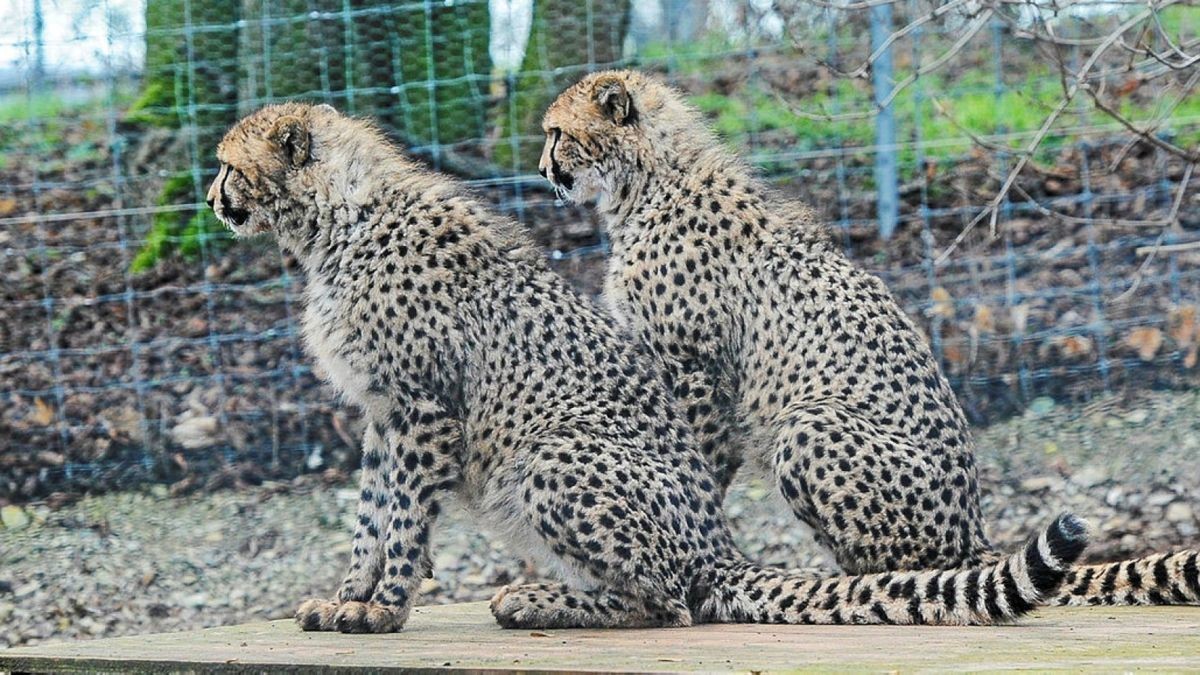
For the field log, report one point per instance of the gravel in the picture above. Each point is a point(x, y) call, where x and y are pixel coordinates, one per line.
point(140, 562)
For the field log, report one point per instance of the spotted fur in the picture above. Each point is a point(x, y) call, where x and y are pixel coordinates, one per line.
point(482, 376)
point(782, 352)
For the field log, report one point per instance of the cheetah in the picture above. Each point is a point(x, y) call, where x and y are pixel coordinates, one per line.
point(782, 353)
point(482, 377)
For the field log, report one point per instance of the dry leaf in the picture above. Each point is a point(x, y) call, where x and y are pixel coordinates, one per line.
point(1145, 341)
point(954, 354)
point(985, 320)
point(538, 633)
point(1184, 326)
point(1127, 87)
point(943, 304)
point(43, 414)
point(1073, 346)
point(7, 206)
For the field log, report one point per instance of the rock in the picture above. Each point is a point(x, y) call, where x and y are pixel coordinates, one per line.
point(14, 517)
point(1160, 498)
point(1137, 417)
point(1180, 512)
point(1089, 476)
point(1041, 405)
point(160, 491)
point(195, 600)
point(196, 432)
point(1039, 483)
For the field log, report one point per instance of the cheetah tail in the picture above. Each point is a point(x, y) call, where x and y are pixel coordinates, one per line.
point(1010, 587)
point(1161, 579)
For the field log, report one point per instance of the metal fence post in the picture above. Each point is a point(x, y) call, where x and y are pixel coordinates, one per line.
point(886, 182)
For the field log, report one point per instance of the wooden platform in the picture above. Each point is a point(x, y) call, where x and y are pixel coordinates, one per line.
point(464, 637)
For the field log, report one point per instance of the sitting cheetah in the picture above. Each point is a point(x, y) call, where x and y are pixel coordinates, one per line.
point(780, 350)
point(481, 374)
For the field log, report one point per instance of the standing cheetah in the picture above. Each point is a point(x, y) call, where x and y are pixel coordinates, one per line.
point(481, 374)
point(781, 351)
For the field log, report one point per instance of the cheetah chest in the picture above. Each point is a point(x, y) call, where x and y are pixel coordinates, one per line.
point(326, 335)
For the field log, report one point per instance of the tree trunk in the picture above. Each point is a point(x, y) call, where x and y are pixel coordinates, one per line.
point(568, 39)
point(190, 77)
point(421, 69)
point(291, 49)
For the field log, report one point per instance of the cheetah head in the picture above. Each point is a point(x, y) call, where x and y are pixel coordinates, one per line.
point(264, 159)
point(609, 128)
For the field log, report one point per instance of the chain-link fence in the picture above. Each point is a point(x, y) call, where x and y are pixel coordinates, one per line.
point(137, 342)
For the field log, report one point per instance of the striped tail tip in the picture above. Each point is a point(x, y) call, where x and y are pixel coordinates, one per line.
point(1055, 550)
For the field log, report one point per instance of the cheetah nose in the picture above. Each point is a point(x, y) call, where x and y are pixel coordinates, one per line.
point(542, 170)
point(210, 201)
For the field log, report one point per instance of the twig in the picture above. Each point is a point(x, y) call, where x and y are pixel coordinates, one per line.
point(1162, 118)
point(937, 63)
point(1158, 244)
point(1169, 248)
point(1186, 155)
point(992, 208)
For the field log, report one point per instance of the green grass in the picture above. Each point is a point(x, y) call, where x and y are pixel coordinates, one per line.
point(171, 234)
point(35, 122)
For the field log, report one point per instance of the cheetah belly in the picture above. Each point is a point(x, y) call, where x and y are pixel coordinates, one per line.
point(501, 512)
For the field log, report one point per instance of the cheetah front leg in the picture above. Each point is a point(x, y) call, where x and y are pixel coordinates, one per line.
point(425, 444)
point(427, 449)
point(374, 512)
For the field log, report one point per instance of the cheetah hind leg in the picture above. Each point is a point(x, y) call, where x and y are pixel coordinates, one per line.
point(835, 467)
point(558, 606)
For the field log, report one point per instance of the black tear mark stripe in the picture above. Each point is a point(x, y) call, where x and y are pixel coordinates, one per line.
point(226, 205)
point(556, 172)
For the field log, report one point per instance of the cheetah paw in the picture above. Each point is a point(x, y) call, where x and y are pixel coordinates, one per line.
point(511, 610)
point(368, 617)
point(317, 614)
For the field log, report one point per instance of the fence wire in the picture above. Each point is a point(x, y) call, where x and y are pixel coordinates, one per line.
point(138, 343)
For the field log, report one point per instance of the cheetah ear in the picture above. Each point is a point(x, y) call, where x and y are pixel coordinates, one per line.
point(325, 107)
point(614, 101)
point(291, 135)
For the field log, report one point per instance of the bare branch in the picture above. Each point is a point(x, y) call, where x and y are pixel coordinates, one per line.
point(1162, 118)
point(1145, 135)
point(1158, 245)
point(992, 209)
point(937, 63)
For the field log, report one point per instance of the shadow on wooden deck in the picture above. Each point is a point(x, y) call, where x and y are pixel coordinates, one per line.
point(464, 637)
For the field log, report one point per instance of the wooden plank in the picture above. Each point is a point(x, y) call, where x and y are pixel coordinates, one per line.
point(464, 637)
